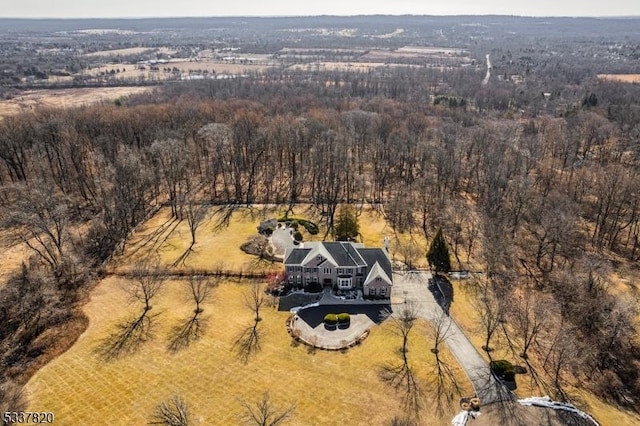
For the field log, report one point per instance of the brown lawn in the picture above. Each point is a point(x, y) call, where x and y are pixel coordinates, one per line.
point(162, 240)
point(81, 388)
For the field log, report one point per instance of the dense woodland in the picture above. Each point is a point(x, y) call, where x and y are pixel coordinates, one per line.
point(541, 193)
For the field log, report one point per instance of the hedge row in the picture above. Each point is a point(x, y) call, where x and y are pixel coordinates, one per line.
point(311, 227)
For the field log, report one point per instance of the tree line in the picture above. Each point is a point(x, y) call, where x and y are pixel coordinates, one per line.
point(543, 200)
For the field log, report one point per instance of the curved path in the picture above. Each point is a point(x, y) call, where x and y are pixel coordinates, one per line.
point(413, 286)
point(488, 76)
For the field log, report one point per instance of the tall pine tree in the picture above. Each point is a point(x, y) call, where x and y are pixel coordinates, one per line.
point(347, 228)
point(438, 254)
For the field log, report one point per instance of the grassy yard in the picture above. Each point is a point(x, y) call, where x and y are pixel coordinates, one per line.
point(163, 240)
point(81, 388)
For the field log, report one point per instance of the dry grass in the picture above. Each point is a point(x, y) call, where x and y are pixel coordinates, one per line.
point(622, 78)
point(122, 52)
point(13, 255)
point(211, 66)
point(82, 389)
point(216, 245)
point(64, 98)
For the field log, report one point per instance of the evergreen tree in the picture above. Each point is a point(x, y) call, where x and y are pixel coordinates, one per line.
point(438, 254)
point(347, 228)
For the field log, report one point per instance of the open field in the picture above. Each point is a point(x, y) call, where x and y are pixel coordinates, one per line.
point(131, 71)
point(64, 98)
point(121, 52)
point(621, 78)
point(132, 51)
point(355, 66)
point(81, 388)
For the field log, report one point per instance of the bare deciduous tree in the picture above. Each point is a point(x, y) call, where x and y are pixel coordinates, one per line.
point(402, 377)
point(40, 218)
point(248, 342)
point(444, 377)
point(254, 299)
point(490, 309)
point(195, 213)
point(175, 412)
point(191, 329)
point(130, 334)
point(264, 413)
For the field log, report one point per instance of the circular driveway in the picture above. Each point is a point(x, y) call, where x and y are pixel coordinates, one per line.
point(309, 327)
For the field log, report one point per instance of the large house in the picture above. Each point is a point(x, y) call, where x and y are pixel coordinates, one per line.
point(340, 265)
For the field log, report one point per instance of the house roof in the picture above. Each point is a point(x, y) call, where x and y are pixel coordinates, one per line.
point(345, 254)
point(377, 255)
point(319, 249)
point(377, 271)
point(295, 256)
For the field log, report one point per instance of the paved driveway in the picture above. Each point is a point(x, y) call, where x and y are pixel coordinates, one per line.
point(281, 240)
point(413, 286)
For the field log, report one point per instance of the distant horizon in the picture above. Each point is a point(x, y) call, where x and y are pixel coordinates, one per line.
point(415, 15)
point(148, 9)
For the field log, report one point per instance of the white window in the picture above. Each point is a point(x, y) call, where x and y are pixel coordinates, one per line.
point(299, 279)
point(344, 282)
point(372, 291)
point(307, 280)
point(383, 291)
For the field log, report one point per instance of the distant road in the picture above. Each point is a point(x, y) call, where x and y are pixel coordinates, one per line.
point(486, 77)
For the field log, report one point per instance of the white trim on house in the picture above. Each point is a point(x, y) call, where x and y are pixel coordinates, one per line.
point(376, 272)
point(318, 249)
point(344, 283)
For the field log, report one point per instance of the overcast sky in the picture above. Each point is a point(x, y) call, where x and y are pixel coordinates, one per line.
point(161, 8)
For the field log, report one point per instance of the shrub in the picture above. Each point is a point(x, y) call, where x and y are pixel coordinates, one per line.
point(297, 236)
point(331, 319)
point(343, 318)
point(503, 369)
point(311, 227)
point(314, 287)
